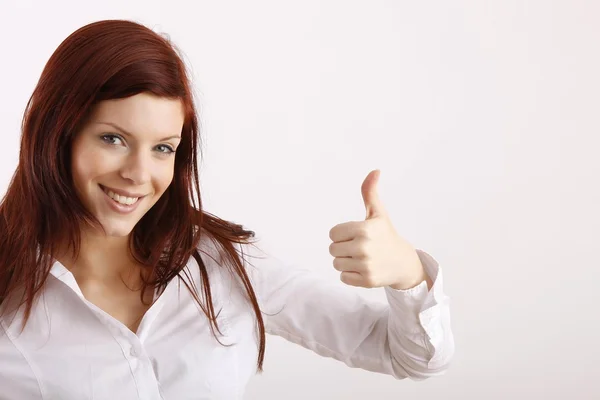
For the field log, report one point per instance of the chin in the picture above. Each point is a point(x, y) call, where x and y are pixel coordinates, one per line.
point(117, 230)
point(119, 233)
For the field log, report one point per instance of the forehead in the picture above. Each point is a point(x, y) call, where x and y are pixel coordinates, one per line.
point(143, 115)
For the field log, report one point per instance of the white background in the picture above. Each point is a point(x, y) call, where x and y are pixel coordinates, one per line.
point(483, 117)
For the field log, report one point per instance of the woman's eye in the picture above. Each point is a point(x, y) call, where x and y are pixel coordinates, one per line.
point(103, 137)
point(168, 150)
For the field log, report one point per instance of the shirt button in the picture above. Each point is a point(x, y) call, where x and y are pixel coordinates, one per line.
point(133, 352)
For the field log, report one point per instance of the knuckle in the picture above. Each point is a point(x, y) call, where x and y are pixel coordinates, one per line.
point(362, 231)
point(362, 248)
point(369, 279)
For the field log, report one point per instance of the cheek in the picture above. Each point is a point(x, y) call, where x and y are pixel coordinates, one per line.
point(167, 180)
point(79, 169)
point(86, 166)
point(164, 179)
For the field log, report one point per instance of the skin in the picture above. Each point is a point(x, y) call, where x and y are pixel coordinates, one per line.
point(121, 146)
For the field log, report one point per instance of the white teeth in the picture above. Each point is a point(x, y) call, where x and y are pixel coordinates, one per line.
point(121, 199)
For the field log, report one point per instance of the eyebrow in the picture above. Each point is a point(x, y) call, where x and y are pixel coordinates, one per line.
point(129, 134)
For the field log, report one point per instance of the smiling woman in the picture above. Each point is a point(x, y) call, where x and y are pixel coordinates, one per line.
point(102, 227)
point(116, 176)
point(127, 129)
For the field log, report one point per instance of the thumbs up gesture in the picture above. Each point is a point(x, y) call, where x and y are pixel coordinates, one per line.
point(370, 253)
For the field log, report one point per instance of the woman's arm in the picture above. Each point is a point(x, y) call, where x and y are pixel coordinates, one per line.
point(410, 336)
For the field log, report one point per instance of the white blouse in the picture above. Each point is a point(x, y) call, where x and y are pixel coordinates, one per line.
point(73, 350)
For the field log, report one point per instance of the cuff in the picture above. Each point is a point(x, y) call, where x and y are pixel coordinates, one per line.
point(422, 311)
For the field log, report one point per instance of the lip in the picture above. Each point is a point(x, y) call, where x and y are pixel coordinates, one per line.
point(121, 208)
point(123, 192)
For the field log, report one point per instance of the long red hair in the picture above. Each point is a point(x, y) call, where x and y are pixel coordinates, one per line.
point(105, 60)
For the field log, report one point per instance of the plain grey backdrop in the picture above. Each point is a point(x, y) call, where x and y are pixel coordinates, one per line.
point(481, 115)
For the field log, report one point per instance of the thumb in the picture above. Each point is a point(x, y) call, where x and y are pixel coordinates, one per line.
point(370, 195)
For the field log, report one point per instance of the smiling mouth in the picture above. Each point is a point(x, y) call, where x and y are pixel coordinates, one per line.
point(121, 200)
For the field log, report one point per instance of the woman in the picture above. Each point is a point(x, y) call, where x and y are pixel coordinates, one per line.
point(115, 284)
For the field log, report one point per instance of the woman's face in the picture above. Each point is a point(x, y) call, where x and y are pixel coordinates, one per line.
point(127, 145)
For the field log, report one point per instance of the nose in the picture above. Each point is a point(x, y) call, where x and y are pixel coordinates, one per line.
point(137, 168)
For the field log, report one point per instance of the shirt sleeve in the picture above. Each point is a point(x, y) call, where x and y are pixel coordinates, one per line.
point(409, 336)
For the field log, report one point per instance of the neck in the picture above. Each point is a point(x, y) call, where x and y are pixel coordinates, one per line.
point(101, 258)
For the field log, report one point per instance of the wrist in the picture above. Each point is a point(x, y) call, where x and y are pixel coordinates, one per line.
point(415, 280)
